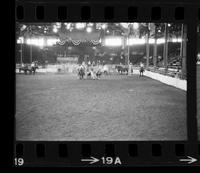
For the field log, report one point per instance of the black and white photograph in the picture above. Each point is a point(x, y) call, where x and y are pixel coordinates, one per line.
point(101, 82)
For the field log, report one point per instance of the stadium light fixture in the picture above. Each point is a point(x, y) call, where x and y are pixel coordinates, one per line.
point(176, 40)
point(28, 41)
point(90, 24)
point(35, 41)
point(23, 27)
point(113, 41)
point(151, 41)
point(135, 41)
point(125, 25)
point(20, 40)
point(89, 29)
point(58, 25)
point(80, 25)
point(55, 30)
point(52, 41)
point(135, 25)
point(68, 25)
point(160, 41)
point(179, 40)
point(40, 42)
point(104, 26)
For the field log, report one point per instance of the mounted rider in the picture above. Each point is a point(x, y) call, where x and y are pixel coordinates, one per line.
point(81, 71)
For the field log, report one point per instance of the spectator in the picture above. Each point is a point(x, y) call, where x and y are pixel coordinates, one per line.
point(141, 68)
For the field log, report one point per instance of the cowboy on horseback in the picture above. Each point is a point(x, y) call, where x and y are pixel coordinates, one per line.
point(81, 71)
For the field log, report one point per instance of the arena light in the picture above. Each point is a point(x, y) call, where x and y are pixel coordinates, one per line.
point(174, 40)
point(135, 25)
point(28, 41)
point(90, 24)
point(160, 41)
point(23, 27)
point(80, 25)
point(20, 40)
point(151, 41)
point(113, 41)
point(135, 41)
point(52, 41)
point(58, 25)
point(125, 25)
point(40, 42)
point(68, 25)
point(104, 26)
point(35, 41)
point(55, 30)
point(179, 40)
point(89, 29)
point(140, 41)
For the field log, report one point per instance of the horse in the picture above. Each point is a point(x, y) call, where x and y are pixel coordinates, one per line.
point(105, 69)
point(98, 73)
point(121, 69)
point(33, 69)
point(81, 73)
point(28, 68)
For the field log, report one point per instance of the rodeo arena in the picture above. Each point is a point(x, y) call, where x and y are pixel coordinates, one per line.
point(101, 81)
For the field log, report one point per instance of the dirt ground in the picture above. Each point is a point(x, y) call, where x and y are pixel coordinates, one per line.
point(117, 107)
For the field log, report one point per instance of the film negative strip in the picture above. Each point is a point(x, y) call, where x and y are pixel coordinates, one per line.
point(138, 104)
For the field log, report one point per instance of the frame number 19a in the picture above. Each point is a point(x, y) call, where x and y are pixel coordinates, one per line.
point(111, 160)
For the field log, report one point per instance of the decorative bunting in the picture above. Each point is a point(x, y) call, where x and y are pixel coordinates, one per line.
point(78, 42)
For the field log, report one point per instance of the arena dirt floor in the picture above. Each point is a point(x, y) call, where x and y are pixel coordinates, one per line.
point(59, 107)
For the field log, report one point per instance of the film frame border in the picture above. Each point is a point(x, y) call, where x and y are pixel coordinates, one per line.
point(137, 153)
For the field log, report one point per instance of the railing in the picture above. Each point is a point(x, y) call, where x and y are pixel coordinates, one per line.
point(172, 72)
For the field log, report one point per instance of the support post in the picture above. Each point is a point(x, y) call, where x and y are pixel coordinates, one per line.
point(165, 52)
point(147, 51)
point(155, 50)
point(30, 53)
point(21, 53)
point(183, 50)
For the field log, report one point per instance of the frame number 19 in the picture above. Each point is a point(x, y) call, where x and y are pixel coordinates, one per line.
point(19, 161)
